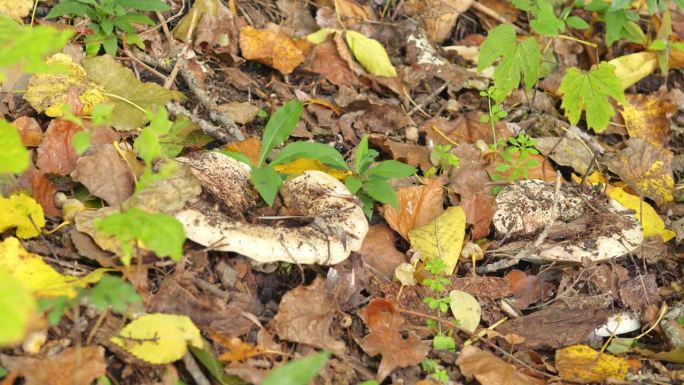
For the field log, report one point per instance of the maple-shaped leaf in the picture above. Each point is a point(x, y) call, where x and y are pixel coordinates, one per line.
point(546, 22)
point(590, 91)
point(519, 59)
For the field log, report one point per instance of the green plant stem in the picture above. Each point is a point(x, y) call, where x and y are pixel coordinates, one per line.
point(572, 38)
point(491, 120)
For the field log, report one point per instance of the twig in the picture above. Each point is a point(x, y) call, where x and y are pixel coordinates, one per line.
point(180, 59)
point(429, 99)
point(208, 128)
point(211, 289)
point(145, 65)
point(194, 370)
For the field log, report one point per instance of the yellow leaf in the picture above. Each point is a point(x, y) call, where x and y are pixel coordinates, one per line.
point(39, 277)
point(319, 36)
point(651, 222)
point(441, 238)
point(49, 91)
point(16, 9)
point(580, 363)
point(371, 54)
point(159, 338)
point(646, 118)
point(465, 309)
point(634, 67)
point(273, 47)
point(300, 165)
point(22, 212)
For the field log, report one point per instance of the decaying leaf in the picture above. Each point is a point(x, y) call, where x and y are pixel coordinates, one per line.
point(580, 363)
point(273, 47)
point(29, 130)
point(22, 212)
point(305, 315)
point(385, 327)
point(298, 166)
point(56, 155)
point(646, 168)
point(213, 24)
point(325, 60)
point(417, 206)
point(115, 185)
point(489, 369)
point(240, 112)
point(646, 118)
point(73, 366)
point(159, 338)
point(569, 152)
point(442, 238)
point(379, 249)
point(439, 15)
point(169, 194)
point(249, 147)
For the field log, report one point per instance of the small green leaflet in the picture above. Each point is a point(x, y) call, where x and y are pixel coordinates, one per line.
point(14, 158)
point(81, 141)
point(589, 91)
point(298, 372)
point(546, 22)
point(516, 58)
point(147, 144)
point(267, 182)
point(279, 127)
point(392, 169)
point(112, 291)
point(379, 189)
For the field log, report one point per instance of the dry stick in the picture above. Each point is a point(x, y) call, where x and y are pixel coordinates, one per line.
point(475, 336)
point(494, 15)
point(429, 99)
point(145, 65)
point(180, 59)
point(194, 370)
point(211, 289)
point(208, 128)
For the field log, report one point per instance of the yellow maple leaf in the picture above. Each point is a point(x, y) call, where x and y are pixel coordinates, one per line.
point(441, 238)
point(580, 363)
point(22, 212)
point(159, 338)
point(39, 277)
point(300, 165)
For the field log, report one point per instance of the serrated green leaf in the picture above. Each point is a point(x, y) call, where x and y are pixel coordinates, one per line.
point(615, 22)
point(267, 182)
point(546, 22)
point(131, 97)
point(371, 54)
point(148, 144)
point(14, 158)
point(112, 291)
point(319, 151)
point(516, 58)
point(279, 127)
point(381, 191)
point(392, 169)
point(590, 92)
point(298, 372)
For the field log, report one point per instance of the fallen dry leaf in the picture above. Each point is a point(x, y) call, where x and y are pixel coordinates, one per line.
point(385, 327)
point(646, 118)
point(412, 154)
point(29, 130)
point(489, 369)
point(249, 147)
point(70, 367)
point(326, 60)
point(569, 152)
point(528, 289)
point(273, 47)
point(349, 11)
point(240, 112)
point(646, 168)
point(439, 15)
point(580, 363)
point(418, 206)
point(55, 153)
point(115, 185)
point(43, 191)
point(466, 128)
point(379, 249)
point(639, 292)
point(305, 315)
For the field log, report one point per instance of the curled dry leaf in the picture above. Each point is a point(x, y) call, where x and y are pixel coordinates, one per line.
point(646, 118)
point(115, 185)
point(73, 366)
point(569, 152)
point(379, 249)
point(338, 227)
point(646, 168)
point(240, 112)
point(466, 128)
point(385, 326)
point(326, 60)
point(489, 369)
point(417, 206)
point(273, 47)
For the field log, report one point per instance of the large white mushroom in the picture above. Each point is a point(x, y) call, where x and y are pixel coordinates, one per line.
point(331, 223)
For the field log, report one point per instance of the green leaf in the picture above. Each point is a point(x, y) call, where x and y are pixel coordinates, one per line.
point(576, 22)
point(14, 158)
point(380, 190)
point(658, 45)
point(319, 36)
point(72, 8)
point(160, 233)
point(678, 46)
point(107, 26)
point(144, 5)
point(205, 356)
point(112, 291)
point(319, 151)
point(298, 372)
point(279, 127)
point(370, 53)
point(147, 144)
point(130, 97)
point(546, 23)
point(361, 154)
point(238, 156)
point(267, 182)
point(442, 342)
point(392, 169)
point(516, 58)
point(590, 92)
point(615, 23)
point(523, 5)
point(81, 141)
point(353, 184)
point(102, 114)
point(17, 306)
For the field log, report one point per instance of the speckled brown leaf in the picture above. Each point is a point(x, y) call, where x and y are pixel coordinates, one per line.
point(646, 168)
point(70, 367)
point(385, 326)
point(646, 118)
point(639, 292)
point(240, 112)
point(305, 315)
point(325, 60)
point(273, 47)
point(105, 175)
point(418, 206)
point(439, 16)
point(489, 369)
point(350, 11)
point(379, 249)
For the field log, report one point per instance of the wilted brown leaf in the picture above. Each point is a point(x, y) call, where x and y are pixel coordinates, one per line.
point(418, 206)
point(305, 315)
point(55, 153)
point(105, 175)
point(489, 369)
point(379, 249)
point(385, 327)
point(466, 128)
point(350, 11)
point(273, 47)
point(70, 367)
point(646, 118)
point(569, 152)
point(249, 147)
point(639, 292)
point(238, 350)
point(43, 191)
point(646, 168)
point(29, 130)
point(528, 289)
point(325, 60)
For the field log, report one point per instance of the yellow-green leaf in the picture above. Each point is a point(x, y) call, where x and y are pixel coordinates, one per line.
point(371, 54)
point(39, 277)
point(22, 212)
point(441, 238)
point(14, 157)
point(16, 308)
point(651, 222)
point(319, 36)
point(465, 309)
point(159, 338)
point(634, 67)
